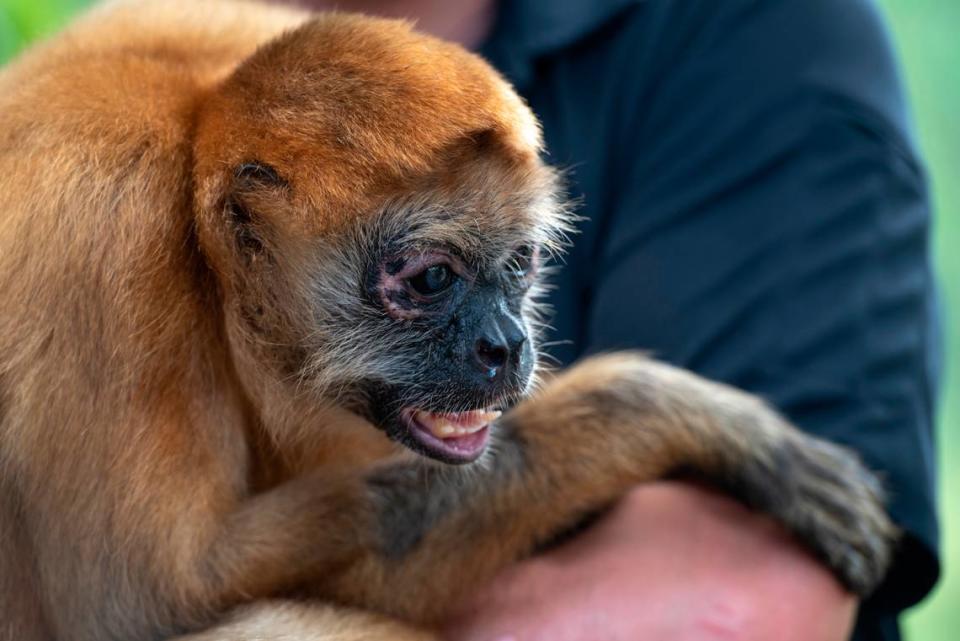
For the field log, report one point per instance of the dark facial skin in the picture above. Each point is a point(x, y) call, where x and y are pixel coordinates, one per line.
point(477, 352)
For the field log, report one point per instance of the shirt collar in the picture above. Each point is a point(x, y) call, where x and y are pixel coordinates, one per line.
point(527, 29)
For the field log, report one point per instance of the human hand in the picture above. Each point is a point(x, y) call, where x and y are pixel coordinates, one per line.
point(671, 561)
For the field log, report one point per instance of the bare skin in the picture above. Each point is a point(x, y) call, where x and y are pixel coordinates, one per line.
point(658, 531)
point(466, 22)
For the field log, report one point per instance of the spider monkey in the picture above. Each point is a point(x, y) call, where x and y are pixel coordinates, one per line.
point(268, 347)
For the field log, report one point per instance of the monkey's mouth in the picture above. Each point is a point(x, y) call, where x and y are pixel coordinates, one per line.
point(451, 437)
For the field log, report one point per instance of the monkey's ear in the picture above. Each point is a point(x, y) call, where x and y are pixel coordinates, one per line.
point(254, 186)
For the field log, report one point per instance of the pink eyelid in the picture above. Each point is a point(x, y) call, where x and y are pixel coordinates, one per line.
point(414, 264)
point(419, 262)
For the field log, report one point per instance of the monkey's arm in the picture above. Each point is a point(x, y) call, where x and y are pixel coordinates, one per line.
point(602, 427)
point(412, 540)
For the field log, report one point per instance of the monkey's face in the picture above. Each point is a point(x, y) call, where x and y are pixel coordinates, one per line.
point(427, 323)
point(418, 313)
point(374, 207)
point(456, 319)
point(465, 340)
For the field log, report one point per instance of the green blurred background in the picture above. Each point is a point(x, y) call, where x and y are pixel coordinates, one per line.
point(927, 33)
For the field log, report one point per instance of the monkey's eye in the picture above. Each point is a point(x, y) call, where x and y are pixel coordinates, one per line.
point(433, 280)
point(521, 264)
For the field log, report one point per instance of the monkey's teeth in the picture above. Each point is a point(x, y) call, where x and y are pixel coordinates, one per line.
point(455, 424)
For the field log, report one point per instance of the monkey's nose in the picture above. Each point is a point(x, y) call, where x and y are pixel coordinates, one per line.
point(491, 356)
point(497, 352)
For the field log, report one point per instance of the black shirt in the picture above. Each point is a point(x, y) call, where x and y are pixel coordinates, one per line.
point(755, 211)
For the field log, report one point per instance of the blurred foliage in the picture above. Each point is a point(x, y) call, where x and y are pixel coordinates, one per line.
point(927, 33)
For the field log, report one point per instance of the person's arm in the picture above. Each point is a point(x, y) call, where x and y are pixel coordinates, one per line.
point(770, 230)
point(672, 561)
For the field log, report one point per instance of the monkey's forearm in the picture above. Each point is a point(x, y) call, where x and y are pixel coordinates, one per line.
point(598, 429)
point(632, 413)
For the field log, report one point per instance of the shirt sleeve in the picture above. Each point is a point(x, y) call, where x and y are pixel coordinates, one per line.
point(770, 227)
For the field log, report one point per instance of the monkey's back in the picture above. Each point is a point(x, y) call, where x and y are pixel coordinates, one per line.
point(94, 210)
point(95, 146)
point(95, 171)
